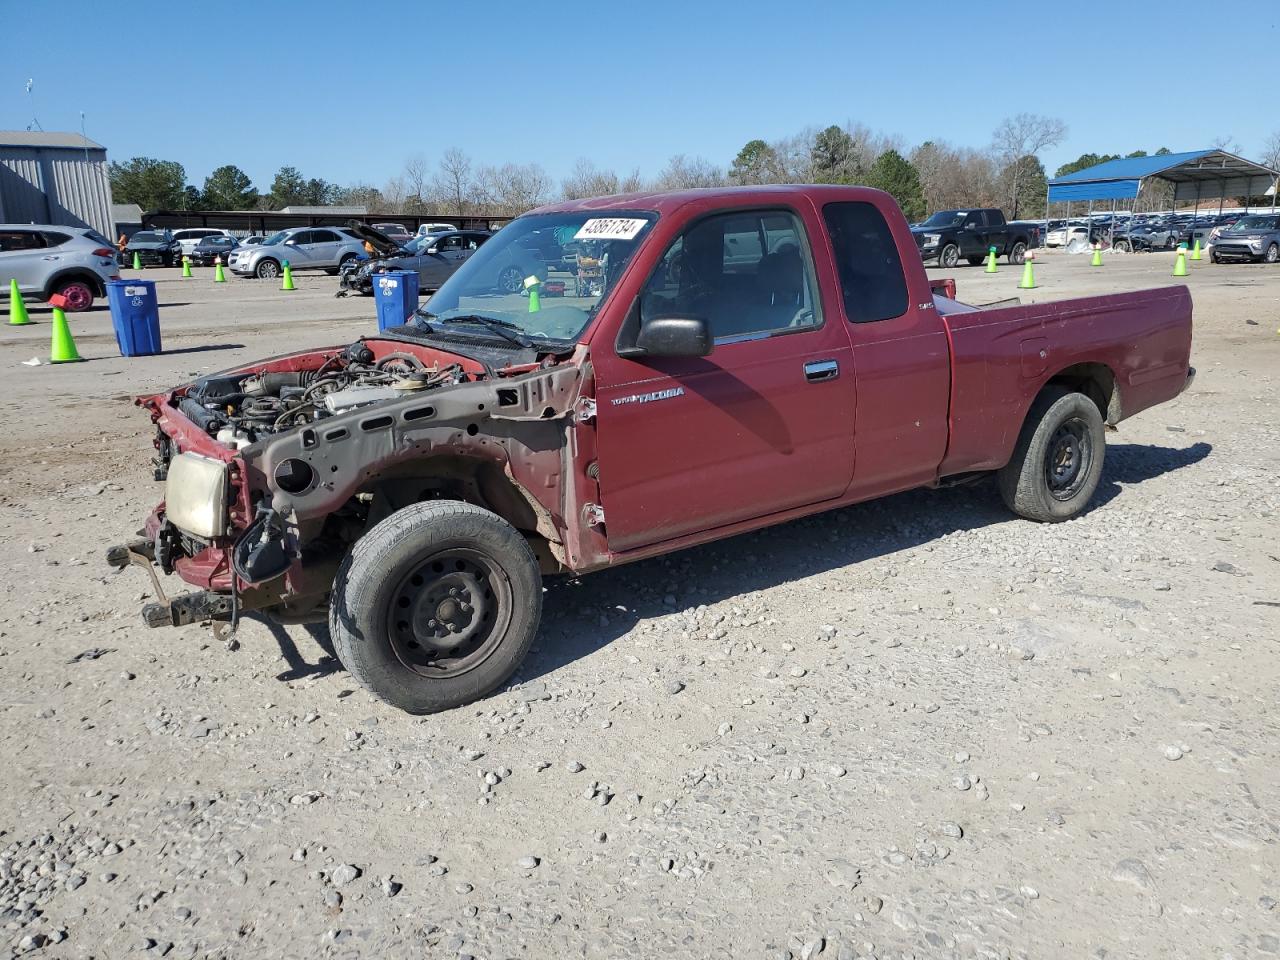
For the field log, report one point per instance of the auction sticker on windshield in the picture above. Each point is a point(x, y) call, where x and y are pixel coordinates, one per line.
point(610, 228)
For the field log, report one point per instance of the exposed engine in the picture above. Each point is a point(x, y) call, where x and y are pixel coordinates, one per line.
point(240, 409)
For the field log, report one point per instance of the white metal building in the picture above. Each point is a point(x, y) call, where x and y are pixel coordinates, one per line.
point(54, 178)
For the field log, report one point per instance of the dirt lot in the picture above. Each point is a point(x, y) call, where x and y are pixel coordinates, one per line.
point(916, 727)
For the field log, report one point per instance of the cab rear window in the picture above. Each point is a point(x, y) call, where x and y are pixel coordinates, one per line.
point(871, 279)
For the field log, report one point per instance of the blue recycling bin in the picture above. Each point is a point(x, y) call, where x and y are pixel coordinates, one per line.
point(396, 293)
point(135, 315)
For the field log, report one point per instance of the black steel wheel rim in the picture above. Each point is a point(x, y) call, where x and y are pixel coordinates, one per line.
point(1068, 459)
point(449, 613)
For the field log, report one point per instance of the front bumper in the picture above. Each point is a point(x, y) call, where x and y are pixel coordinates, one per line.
point(1242, 250)
point(196, 607)
point(152, 257)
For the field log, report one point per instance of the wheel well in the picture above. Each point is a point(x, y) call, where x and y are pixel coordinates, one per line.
point(483, 483)
point(88, 276)
point(1095, 381)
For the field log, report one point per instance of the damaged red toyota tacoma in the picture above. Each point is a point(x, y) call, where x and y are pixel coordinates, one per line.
point(709, 362)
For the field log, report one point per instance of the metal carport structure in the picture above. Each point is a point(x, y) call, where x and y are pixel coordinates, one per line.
point(1196, 175)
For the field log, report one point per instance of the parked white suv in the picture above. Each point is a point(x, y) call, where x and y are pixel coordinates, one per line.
point(190, 236)
point(306, 248)
point(46, 259)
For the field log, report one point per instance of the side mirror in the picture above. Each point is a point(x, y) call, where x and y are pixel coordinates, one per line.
point(674, 337)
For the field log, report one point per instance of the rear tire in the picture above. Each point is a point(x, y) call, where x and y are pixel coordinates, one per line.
point(1018, 253)
point(436, 606)
point(79, 295)
point(1057, 462)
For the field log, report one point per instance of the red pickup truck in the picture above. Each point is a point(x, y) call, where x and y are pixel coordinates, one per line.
point(737, 358)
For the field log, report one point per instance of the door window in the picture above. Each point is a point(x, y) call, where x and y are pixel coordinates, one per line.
point(323, 236)
point(449, 244)
point(11, 240)
point(871, 279)
point(303, 237)
point(746, 274)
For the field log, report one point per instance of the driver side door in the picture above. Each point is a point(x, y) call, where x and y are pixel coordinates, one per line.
point(762, 424)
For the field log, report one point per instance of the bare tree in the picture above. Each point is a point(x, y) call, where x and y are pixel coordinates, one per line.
point(1227, 144)
point(685, 173)
point(415, 181)
point(1019, 138)
point(587, 180)
point(512, 188)
point(452, 185)
point(1271, 151)
point(394, 193)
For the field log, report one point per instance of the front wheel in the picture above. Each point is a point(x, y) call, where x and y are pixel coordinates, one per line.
point(436, 606)
point(1018, 253)
point(1122, 246)
point(1272, 254)
point(267, 270)
point(948, 256)
point(1057, 462)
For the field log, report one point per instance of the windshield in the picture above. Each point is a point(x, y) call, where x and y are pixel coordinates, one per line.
point(946, 218)
point(275, 238)
point(147, 236)
point(571, 288)
point(1247, 224)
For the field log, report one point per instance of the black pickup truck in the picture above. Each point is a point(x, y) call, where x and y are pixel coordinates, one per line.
point(949, 235)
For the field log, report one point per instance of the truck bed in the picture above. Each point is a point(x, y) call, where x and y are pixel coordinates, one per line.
point(1140, 342)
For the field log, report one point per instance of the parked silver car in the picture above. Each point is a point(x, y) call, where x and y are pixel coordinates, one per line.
point(1249, 238)
point(74, 261)
point(306, 248)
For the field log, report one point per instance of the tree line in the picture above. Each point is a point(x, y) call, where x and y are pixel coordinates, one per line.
point(933, 175)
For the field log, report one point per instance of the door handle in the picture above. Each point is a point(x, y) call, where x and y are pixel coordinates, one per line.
point(818, 370)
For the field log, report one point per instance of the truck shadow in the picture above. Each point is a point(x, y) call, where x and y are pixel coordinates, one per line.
point(581, 616)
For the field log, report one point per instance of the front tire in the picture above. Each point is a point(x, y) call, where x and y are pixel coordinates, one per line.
point(436, 606)
point(1272, 254)
point(1057, 462)
point(267, 270)
point(949, 256)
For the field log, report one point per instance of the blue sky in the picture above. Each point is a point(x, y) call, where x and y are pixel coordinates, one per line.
point(347, 90)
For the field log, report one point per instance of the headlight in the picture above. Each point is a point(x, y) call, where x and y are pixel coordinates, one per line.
point(195, 495)
point(931, 239)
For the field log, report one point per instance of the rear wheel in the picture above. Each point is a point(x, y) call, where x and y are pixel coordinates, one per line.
point(78, 294)
point(1057, 462)
point(1018, 252)
point(949, 256)
point(510, 280)
point(267, 270)
point(436, 606)
point(1122, 246)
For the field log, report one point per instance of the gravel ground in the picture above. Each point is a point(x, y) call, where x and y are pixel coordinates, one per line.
point(912, 728)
